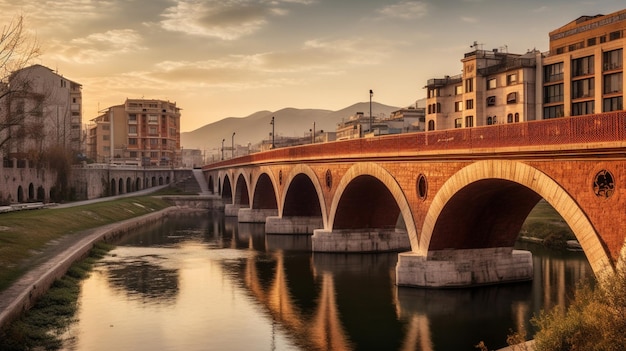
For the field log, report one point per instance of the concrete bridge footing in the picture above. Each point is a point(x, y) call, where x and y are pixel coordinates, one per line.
point(292, 225)
point(463, 268)
point(249, 215)
point(231, 210)
point(360, 240)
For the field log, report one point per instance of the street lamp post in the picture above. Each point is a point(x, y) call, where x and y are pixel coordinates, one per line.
point(232, 142)
point(223, 148)
point(272, 123)
point(312, 134)
point(371, 94)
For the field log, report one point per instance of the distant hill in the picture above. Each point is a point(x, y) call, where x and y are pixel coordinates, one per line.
point(289, 122)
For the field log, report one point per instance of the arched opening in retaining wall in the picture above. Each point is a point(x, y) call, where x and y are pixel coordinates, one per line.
point(129, 185)
point(138, 184)
point(264, 196)
point(160, 180)
point(241, 192)
point(41, 193)
point(20, 194)
point(31, 192)
point(113, 187)
point(167, 180)
point(153, 182)
point(120, 186)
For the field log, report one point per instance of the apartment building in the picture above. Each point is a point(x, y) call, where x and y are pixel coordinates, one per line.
point(583, 71)
point(44, 110)
point(495, 87)
point(139, 132)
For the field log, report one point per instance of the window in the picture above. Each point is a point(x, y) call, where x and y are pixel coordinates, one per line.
point(516, 117)
point(613, 83)
point(152, 130)
point(615, 35)
point(511, 79)
point(612, 60)
point(582, 66)
point(553, 73)
point(132, 141)
point(133, 154)
point(491, 83)
point(154, 154)
point(438, 107)
point(458, 123)
point(469, 121)
point(553, 112)
point(560, 50)
point(469, 85)
point(153, 119)
point(106, 127)
point(553, 93)
point(154, 141)
point(132, 129)
point(582, 88)
point(132, 118)
point(491, 101)
point(458, 90)
point(431, 125)
point(489, 120)
point(613, 104)
point(434, 92)
point(582, 108)
point(106, 137)
point(511, 98)
point(469, 104)
point(458, 106)
point(576, 46)
point(591, 41)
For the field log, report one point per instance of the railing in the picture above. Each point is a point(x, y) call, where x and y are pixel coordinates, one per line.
point(607, 127)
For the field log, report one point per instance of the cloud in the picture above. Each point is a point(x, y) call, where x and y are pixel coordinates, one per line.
point(226, 20)
point(96, 47)
point(469, 19)
point(405, 10)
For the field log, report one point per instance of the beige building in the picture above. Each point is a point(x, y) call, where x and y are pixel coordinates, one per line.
point(139, 132)
point(45, 109)
point(495, 87)
point(583, 71)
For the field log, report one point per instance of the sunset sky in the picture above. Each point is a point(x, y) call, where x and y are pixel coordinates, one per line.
point(231, 58)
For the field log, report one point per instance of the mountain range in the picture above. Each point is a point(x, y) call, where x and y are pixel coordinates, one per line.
point(288, 122)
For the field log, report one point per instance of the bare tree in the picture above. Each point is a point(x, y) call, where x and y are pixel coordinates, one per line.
point(17, 50)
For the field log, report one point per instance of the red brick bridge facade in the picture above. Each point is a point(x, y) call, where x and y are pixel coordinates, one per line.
point(454, 199)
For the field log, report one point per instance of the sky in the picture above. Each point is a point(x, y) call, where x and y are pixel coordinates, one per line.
point(231, 58)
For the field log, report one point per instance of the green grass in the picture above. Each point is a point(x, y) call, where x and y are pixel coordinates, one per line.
point(545, 223)
point(23, 234)
point(41, 327)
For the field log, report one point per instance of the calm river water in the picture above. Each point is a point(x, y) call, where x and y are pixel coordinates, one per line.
point(205, 282)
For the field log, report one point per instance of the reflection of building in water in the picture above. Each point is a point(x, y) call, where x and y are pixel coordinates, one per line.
point(418, 334)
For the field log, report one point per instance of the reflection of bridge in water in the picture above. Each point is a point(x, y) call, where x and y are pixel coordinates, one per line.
point(283, 281)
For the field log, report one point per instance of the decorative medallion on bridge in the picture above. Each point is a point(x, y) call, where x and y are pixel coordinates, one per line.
point(422, 187)
point(329, 179)
point(280, 177)
point(603, 185)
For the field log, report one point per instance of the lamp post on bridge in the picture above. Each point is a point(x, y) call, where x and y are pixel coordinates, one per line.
point(223, 149)
point(272, 123)
point(232, 143)
point(371, 94)
point(312, 134)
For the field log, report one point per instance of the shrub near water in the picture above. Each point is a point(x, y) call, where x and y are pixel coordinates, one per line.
point(42, 326)
point(595, 320)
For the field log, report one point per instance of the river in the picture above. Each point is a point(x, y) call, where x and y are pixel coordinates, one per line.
point(204, 282)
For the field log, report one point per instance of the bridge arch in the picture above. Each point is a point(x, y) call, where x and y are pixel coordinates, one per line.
point(355, 180)
point(302, 186)
point(227, 188)
point(498, 179)
point(264, 191)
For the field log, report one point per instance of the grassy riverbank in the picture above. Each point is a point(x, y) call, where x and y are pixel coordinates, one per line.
point(26, 236)
point(41, 326)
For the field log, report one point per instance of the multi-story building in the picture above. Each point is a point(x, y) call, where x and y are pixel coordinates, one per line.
point(495, 87)
point(583, 71)
point(141, 132)
point(44, 110)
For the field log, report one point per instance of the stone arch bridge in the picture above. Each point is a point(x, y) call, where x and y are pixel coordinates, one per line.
point(454, 201)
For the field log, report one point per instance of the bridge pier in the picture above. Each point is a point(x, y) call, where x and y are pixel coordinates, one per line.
point(249, 215)
point(231, 210)
point(360, 240)
point(292, 225)
point(464, 268)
